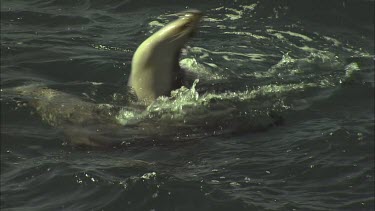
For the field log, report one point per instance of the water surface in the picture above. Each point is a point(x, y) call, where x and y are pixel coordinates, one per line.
point(281, 118)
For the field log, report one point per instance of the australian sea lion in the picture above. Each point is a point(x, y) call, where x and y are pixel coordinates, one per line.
point(155, 65)
point(155, 72)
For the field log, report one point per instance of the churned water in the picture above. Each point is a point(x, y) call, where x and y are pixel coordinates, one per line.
point(280, 115)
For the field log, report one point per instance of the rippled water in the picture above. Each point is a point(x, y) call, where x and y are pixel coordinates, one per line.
point(280, 118)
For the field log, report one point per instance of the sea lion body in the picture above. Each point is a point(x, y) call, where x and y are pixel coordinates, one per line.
point(155, 65)
point(155, 72)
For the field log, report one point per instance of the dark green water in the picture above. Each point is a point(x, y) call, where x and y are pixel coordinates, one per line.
point(282, 117)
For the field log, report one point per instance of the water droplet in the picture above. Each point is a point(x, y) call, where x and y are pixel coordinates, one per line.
point(235, 184)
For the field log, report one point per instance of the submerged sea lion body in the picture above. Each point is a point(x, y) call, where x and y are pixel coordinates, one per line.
point(155, 72)
point(155, 65)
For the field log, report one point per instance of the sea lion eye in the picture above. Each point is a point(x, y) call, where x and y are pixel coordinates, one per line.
point(185, 26)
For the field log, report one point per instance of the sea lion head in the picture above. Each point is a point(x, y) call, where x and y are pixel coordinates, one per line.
point(175, 34)
point(155, 66)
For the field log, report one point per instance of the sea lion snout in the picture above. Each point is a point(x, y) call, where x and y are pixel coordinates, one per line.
point(191, 17)
point(192, 13)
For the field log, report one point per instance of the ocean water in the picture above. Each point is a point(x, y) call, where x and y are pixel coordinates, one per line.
point(280, 115)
